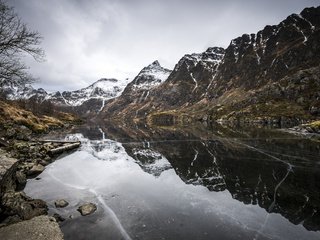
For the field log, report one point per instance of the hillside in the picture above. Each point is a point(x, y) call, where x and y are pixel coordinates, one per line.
point(19, 123)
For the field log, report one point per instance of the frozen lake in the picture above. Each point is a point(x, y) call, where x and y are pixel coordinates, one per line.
point(236, 186)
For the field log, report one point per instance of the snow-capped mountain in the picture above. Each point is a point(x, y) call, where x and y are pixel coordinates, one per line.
point(102, 89)
point(15, 91)
point(150, 77)
point(140, 89)
point(253, 79)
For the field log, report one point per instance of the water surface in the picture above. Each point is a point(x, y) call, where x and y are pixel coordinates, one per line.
point(171, 184)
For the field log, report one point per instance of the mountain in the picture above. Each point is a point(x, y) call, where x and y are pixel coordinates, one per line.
point(102, 89)
point(271, 76)
point(15, 91)
point(84, 101)
point(139, 90)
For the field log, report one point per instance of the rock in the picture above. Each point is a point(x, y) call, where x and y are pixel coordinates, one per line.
point(8, 167)
point(21, 178)
point(87, 209)
point(36, 169)
point(38, 228)
point(61, 203)
point(17, 203)
point(315, 110)
point(23, 133)
point(11, 132)
point(58, 217)
point(4, 142)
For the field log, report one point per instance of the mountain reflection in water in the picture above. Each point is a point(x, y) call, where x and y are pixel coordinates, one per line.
point(183, 184)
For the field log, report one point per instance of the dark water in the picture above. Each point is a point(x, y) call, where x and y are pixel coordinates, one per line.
point(197, 183)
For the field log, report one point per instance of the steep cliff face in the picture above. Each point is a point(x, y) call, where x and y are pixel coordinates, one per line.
point(251, 61)
point(272, 75)
point(279, 64)
point(191, 78)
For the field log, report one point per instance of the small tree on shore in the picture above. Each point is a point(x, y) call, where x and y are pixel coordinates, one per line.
point(15, 41)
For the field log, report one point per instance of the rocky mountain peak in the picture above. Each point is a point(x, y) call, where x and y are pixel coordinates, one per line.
point(214, 53)
point(152, 68)
point(212, 56)
point(150, 76)
point(155, 63)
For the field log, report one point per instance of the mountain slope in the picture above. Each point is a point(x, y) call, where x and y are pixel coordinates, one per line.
point(270, 76)
point(139, 91)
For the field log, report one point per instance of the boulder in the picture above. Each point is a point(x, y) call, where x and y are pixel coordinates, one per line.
point(36, 169)
point(61, 203)
point(87, 209)
point(17, 203)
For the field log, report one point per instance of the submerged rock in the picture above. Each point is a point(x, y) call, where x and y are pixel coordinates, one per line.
point(61, 203)
point(87, 209)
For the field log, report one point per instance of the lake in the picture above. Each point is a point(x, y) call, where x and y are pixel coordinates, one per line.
point(191, 183)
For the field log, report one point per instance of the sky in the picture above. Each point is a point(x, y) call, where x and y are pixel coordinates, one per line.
point(85, 40)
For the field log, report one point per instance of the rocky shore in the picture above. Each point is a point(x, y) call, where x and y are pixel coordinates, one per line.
point(22, 156)
point(311, 129)
point(21, 160)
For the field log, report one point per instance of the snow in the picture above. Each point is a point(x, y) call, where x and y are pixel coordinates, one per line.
point(235, 51)
point(103, 89)
point(157, 163)
point(103, 103)
point(311, 26)
point(258, 58)
point(20, 91)
point(273, 61)
point(299, 30)
point(151, 76)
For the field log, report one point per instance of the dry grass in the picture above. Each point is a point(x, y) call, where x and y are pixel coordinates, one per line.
point(12, 114)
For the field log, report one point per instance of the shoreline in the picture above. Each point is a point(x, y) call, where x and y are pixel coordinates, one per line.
point(22, 160)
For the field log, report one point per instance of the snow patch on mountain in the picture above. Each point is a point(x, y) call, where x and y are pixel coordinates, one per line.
point(15, 91)
point(103, 89)
point(151, 76)
point(212, 56)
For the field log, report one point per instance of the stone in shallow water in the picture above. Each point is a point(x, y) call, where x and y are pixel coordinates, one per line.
point(87, 208)
point(61, 203)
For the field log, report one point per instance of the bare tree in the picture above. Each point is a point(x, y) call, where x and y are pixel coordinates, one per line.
point(15, 41)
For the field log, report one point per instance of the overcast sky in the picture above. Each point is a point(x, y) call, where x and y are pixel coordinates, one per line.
point(86, 40)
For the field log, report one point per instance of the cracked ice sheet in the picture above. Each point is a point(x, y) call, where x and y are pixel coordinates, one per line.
point(147, 207)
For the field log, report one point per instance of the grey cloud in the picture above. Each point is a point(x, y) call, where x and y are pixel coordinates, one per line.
point(86, 40)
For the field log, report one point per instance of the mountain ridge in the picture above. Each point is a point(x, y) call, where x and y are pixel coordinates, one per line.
point(270, 76)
